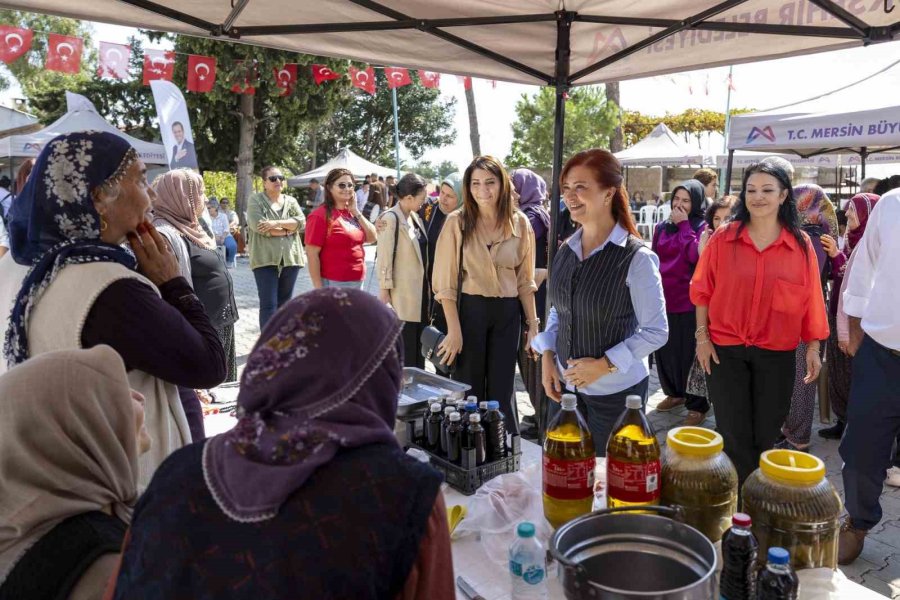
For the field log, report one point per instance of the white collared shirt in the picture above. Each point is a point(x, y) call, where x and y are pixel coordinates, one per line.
point(874, 283)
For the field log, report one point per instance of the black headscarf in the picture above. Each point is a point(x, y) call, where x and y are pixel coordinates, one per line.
point(698, 198)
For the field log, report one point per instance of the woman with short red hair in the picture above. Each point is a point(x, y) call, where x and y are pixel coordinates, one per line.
point(609, 312)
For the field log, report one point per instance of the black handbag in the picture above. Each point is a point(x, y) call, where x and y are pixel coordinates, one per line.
point(432, 337)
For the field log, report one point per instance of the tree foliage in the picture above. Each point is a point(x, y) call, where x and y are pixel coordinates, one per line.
point(590, 120)
point(428, 170)
point(692, 122)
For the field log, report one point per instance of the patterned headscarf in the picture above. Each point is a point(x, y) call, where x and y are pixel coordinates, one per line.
point(455, 181)
point(179, 203)
point(53, 222)
point(532, 190)
point(864, 204)
point(315, 382)
point(815, 208)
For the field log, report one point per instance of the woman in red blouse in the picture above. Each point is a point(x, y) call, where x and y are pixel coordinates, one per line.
point(757, 293)
point(335, 234)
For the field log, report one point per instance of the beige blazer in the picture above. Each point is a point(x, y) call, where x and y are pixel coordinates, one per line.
point(403, 276)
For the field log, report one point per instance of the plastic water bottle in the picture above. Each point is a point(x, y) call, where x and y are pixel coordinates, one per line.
point(527, 565)
point(739, 550)
point(777, 580)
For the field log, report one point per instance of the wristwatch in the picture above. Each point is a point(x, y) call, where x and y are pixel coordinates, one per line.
point(610, 366)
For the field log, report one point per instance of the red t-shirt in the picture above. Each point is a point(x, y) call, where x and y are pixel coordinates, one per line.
point(342, 256)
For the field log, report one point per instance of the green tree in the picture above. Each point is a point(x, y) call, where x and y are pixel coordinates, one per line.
point(425, 169)
point(590, 120)
point(691, 123)
point(446, 168)
point(366, 123)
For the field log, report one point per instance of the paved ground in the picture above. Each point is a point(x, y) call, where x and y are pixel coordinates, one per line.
point(879, 566)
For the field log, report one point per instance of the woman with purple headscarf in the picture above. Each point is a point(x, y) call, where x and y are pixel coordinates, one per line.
point(309, 495)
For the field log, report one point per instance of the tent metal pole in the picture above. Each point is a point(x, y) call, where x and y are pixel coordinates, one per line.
point(728, 170)
point(561, 81)
point(863, 154)
point(396, 131)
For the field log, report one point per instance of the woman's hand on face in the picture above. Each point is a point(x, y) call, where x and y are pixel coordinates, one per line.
point(450, 348)
point(550, 376)
point(154, 256)
point(585, 371)
point(829, 245)
point(706, 356)
point(678, 215)
point(813, 364)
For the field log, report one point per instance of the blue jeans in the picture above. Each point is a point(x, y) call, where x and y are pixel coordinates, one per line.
point(356, 285)
point(274, 289)
point(873, 421)
point(230, 250)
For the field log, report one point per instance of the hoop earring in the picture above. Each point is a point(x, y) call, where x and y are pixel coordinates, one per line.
point(103, 224)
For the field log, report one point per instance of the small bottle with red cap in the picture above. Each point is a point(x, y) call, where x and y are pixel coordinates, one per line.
point(739, 551)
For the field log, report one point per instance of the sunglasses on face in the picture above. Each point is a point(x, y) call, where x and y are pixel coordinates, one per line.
point(344, 186)
point(274, 178)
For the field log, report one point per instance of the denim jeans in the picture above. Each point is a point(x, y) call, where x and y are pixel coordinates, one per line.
point(356, 285)
point(230, 250)
point(274, 289)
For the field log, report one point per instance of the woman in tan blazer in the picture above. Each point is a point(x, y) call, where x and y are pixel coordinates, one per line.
point(401, 263)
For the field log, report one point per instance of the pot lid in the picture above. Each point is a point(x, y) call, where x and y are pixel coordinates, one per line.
point(695, 441)
point(792, 466)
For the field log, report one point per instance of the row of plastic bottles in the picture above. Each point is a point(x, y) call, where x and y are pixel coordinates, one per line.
point(451, 428)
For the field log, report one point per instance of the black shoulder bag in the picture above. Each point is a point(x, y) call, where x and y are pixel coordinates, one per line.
point(432, 337)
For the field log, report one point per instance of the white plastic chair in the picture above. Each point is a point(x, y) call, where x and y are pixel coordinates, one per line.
point(647, 219)
point(663, 212)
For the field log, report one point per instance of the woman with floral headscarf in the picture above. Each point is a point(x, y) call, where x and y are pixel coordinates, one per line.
point(309, 494)
point(88, 193)
point(434, 214)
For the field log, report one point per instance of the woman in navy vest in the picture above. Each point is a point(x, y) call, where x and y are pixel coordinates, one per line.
point(608, 310)
point(309, 496)
point(677, 243)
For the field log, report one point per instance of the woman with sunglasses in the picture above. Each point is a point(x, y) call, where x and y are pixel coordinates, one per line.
point(335, 236)
point(274, 225)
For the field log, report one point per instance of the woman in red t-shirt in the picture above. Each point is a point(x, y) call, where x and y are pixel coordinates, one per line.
point(758, 293)
point(335, 234)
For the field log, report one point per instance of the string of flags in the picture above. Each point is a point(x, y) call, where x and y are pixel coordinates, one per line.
point(64, 54)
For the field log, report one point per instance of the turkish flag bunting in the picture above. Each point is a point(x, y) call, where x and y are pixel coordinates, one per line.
point(201, 73)
point(466, 81)
point(158, 64)
point(397, 77)
point(244, 79)
point(322, 73)
point(286, 78)
point(63, 53)
point(113, 60)
point(363, 79)
point(14, 42)
point(430, 79)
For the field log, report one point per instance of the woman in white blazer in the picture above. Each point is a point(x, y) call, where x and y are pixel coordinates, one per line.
point(401, 263)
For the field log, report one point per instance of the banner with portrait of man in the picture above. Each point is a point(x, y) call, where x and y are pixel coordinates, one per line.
point(174, 125)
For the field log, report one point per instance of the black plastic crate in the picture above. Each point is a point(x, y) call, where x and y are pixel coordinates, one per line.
point(467, 477)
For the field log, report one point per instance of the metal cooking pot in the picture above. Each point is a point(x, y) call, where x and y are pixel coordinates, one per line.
point(634, 556)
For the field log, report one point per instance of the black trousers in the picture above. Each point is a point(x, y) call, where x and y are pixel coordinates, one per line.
point(491, 328)
point(412, 344)
point(751, 391)
point(674, 360)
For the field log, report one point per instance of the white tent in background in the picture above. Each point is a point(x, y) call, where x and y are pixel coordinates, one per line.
point(30, 144)
point(345, 159)
point(662, 147)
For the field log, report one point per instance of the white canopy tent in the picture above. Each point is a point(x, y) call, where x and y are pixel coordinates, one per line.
point(662, 147)
point(30, 144)
point(345, 159)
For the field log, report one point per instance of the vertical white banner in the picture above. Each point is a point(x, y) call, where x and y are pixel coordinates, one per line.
point(174, 125)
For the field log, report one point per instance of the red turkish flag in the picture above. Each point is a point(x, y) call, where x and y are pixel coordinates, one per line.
point(363, 79)
point(63, 53)
point(466, 81)
point(14, 42)
point(322, 73)
point(201, 73)
point(244, 80)
point(113, 60)
point(158, 64)
point(397, 77)
point(286, 78)
point(429, 79)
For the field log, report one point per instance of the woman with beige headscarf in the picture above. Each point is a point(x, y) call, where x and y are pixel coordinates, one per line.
point(71, 431)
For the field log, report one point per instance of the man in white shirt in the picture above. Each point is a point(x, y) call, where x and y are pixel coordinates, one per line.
point(873, 413)
point(362, 194)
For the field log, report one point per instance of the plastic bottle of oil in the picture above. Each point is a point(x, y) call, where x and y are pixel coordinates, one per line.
point(632, 459)
point(568, 480)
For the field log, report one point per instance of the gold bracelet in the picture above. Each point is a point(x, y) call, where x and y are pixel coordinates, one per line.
point(701, 342)
point(534, 322)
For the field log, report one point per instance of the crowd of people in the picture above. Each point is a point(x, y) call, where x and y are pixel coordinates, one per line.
point(121, 310)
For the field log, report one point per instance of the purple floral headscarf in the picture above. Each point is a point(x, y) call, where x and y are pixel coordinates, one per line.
point(532, 190)
point(325, 374)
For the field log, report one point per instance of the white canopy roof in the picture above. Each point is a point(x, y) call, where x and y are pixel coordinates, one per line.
point(345, 159)
point(661, 147)
point(29, 145)
point(598, 40)
point(15, 121)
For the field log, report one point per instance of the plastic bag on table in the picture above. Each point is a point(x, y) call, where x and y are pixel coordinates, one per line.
point(498, 507)
point(822, 584)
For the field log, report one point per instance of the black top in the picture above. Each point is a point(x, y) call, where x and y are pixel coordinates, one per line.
point(213, 285)
point(170, 337)
point(433, 225)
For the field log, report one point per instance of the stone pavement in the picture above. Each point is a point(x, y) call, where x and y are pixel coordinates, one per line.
point(879, 566)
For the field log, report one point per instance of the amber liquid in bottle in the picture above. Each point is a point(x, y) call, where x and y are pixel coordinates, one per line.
point(632, 459)
point(568, 466)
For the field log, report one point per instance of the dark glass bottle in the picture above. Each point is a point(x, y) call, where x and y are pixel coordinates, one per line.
point(433, 428)
point(495, 430)
point(777, 580)
point(454, 438)
point(739, 550)
point(444, 425)
point(476, 438)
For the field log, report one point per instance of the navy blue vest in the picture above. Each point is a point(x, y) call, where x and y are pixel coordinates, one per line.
point(352, 531)
point(592, 301)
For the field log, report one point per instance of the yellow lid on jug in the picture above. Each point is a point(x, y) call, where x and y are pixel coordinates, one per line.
point(792, 466)
point(695, 441)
